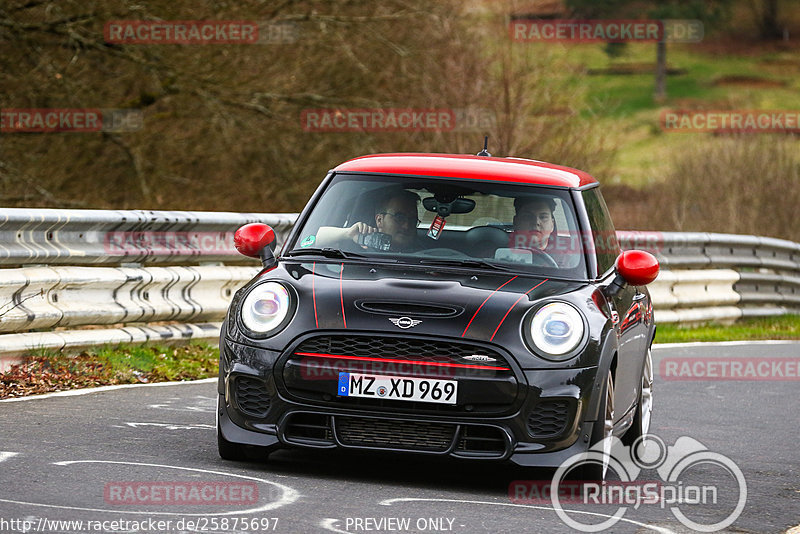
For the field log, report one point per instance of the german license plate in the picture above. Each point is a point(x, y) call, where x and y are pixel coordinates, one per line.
point(398, 388)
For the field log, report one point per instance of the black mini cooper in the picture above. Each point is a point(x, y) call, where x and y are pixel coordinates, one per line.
point(469, 306)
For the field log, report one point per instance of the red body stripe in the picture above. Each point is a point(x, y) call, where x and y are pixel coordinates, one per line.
point(392, 360)
point(314, 293)
point(481, 306)
point(341, 296)
point(512, 307)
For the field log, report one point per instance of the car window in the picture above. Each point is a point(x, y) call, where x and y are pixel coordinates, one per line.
point(513, 227)
point(604, 237)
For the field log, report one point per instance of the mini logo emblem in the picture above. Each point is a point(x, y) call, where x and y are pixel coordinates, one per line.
point(480, 358)
point(404, 322)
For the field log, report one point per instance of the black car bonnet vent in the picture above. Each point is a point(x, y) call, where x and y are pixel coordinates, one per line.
point(418, 309)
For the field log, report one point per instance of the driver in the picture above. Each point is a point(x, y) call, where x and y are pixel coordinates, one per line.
point(534, 223)
point(395, 214)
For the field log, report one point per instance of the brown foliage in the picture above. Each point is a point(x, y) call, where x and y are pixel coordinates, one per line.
point(747, 184)
point(222, 122)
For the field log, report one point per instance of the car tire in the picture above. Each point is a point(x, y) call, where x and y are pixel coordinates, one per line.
point(644, 408)
point(230, 451)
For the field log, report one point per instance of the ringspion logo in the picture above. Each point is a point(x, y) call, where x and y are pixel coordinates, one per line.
point(704, 490)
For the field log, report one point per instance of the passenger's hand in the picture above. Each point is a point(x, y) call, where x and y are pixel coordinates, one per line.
point(358, 229)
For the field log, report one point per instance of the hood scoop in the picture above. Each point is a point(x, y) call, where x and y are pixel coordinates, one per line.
point(416, 309)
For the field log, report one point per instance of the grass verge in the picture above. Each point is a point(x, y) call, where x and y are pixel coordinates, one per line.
point(47, 372)
point(783, 327)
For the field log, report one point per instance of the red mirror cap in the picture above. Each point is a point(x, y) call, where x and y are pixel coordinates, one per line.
point(637, 267)
point(251, 239)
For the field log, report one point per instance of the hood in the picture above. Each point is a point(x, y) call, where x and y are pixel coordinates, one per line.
point(421, 301)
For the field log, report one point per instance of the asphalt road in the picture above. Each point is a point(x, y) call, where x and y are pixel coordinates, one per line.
point(103, 457)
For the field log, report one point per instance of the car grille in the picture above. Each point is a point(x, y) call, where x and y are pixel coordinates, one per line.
point(473, 441)
point(410, 435)
point(401, 348)
point(482, 440)
point(487, 383)
point(252, 396)
point(549, 418)
point(309, 429)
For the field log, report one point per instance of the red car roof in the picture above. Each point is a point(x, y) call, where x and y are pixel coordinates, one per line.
point(519, 170)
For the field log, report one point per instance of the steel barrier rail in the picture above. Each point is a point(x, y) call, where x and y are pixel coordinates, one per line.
point(696, 250)
point(54, 297)
point(12, 346)
point(124, 269)
point(114, 237)
point(723, 277)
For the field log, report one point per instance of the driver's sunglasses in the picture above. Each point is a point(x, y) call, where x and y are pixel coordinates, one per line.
point(402, 218)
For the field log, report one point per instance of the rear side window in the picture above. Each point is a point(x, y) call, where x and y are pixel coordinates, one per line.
point(604, 237)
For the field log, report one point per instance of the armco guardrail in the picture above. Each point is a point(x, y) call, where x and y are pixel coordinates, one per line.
point(69, 269)
point(111, 237)
point(123, 274)
point(722, 277)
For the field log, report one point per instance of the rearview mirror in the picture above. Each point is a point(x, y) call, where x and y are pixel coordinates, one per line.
point(444, 209)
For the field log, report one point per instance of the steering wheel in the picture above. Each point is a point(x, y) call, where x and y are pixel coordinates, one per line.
point(548, 260)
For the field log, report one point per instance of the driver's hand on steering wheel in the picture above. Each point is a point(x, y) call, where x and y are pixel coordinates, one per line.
point(358, 229)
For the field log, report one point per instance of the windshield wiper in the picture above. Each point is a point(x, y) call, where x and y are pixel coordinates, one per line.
point(471, 263)
point(324, 252)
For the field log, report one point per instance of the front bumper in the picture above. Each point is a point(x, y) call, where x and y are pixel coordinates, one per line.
point(545, 421)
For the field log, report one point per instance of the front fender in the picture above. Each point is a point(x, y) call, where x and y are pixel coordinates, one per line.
point(608, 352)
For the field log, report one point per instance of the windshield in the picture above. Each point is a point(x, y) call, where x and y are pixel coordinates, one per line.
point(445, 222)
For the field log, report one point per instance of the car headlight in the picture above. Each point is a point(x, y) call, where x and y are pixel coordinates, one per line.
point(556, 330)
point(265, 309)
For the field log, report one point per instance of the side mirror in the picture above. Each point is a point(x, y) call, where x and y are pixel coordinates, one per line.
point(254, 240)
point(634, 267)
point(637, 267)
